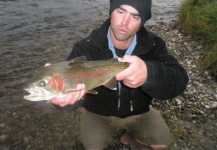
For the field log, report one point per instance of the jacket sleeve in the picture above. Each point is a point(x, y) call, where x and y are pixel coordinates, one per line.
point(166, 78)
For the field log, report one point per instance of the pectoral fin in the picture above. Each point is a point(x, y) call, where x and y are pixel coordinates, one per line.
point(111, 83)
point(92, 92)
point(89, 91)
point(73, 90)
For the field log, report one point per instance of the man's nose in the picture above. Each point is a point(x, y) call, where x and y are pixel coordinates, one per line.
point(125, 20)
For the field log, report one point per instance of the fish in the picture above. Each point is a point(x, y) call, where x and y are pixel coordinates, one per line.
point(58, 79)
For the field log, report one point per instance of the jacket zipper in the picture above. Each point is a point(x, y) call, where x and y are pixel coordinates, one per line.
point(131, 105)
point(119, 100)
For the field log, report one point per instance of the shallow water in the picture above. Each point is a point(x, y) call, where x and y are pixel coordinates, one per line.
point(33, 33)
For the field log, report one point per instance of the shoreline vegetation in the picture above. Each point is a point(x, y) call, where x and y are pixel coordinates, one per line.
point(198, 18)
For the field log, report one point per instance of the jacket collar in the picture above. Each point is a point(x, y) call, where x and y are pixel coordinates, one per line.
point(144, 40)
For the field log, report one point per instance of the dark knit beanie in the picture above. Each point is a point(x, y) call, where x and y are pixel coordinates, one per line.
point(142, 6)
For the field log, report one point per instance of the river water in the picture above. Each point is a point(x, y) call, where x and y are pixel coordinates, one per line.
point(31, 34)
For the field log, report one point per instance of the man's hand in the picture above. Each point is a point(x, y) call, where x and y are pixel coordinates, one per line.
point(71, 97)
point(136, 74)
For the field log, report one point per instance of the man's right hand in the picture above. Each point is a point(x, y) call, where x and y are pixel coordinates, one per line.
point(71, 98)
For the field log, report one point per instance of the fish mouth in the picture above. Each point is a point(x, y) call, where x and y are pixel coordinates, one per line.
point(34, 95)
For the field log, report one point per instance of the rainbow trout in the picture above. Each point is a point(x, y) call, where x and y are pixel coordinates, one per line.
point(56, 80)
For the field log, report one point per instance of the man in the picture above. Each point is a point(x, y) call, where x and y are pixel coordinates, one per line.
point(153, 73)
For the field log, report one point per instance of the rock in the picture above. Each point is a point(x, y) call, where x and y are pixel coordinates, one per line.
point(2, 125)
point(3, 138)
point(207, 106)
point(199, 48)
point(178, 102)
point(213, 105)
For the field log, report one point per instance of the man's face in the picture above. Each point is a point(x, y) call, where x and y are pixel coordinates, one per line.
point(125, 22)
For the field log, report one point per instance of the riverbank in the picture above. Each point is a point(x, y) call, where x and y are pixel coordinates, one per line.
point(190, 116)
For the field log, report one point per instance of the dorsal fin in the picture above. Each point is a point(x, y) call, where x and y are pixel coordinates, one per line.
point(114, 59)
point(81, 59)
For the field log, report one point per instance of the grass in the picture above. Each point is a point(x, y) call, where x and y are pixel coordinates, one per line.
point(199, 18)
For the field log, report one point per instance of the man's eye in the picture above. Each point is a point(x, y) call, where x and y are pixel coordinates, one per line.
point(120, 11)
point(42, 83)
point(136, 17)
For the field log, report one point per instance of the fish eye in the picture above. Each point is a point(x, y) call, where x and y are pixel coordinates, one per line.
point(42, 83)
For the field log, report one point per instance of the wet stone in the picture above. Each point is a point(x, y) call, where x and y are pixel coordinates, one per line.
point(199, 48)
point(3, 138)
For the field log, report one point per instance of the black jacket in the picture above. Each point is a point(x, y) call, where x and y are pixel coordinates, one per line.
point(166, 78)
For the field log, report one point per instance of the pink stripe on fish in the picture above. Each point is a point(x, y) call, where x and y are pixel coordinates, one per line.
point(91, 75)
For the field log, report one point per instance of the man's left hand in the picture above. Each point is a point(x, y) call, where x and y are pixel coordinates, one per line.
point(136, 74)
